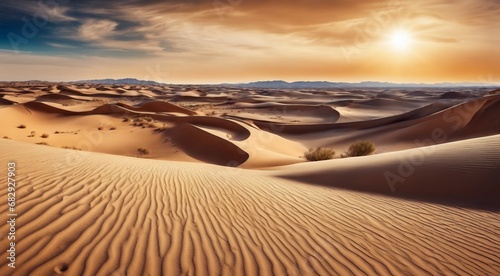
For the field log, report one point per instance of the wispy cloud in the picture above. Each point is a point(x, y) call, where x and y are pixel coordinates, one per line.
point(93, 29)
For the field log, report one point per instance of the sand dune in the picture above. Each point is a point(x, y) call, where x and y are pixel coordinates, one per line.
point(465, 171)
point(118, 215)
point(152, 188)
point(204, 146)
point(6, 102)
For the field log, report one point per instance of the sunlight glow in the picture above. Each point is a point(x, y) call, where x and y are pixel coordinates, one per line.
point(400, 40)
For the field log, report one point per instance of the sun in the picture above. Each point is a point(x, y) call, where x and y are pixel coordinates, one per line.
point(401, 40)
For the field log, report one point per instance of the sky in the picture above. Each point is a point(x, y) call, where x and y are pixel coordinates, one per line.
point(228, 41)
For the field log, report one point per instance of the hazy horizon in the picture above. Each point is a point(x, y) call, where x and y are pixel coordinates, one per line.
point(211, 42)
point(437, 84)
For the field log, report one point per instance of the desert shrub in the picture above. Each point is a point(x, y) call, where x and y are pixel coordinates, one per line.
point(45, 135)
point(318, 154)
point(32, 134)
point(100, 128)
point(6, 137)
point(143, 151)
point(161, 129)
point(360, 148)
point(143, 121)
point(42, 143)
point(21, 126)
point(56, 132)
point(112, 128)
point(72, 148)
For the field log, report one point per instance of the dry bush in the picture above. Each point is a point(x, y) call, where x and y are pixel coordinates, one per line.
point(161, 129)
point(318, 154)
point(360, 148)
point(45, 135)
point(72, 148)
point(21, 126)
point(143, 151)
point(42, 143)
point(112, 128)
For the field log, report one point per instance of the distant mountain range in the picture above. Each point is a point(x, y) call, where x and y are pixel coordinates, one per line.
point(367, 84)
point(277, 84)
point(118, 81)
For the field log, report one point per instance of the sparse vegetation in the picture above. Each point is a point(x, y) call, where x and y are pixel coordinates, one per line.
point(56, 132)
point(6, 137)
point(161, 129)
point(45, 135)
point(112, 128)
point(21, 126)
point(32, 134)
point(144, 122)
point(143, 151)
point(72, 148)
point(100, 128)
point(360, 148)
point(318, 154)
point(42, 143)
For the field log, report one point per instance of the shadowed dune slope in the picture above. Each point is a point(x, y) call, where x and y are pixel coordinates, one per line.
point(206, 147)
point(159, 106)
point(5, 101)
point(467, 171)
point(114, 215)
point(484, 122)
point(308, 128)
point(475, 118)
point(54, 97)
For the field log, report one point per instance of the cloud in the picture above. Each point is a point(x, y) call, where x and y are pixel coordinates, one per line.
point(93, 29)
point(60, 45)
point(279, 38)
point(50, 10)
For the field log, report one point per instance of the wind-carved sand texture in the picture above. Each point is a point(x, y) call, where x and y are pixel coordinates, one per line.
point(180, 207)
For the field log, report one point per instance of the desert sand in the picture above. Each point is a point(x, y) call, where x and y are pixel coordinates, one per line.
point(204, 180)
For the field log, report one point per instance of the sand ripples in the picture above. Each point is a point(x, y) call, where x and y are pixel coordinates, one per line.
point(118, 215)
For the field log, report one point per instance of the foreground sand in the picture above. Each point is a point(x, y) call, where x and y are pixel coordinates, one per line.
point(121, 215)
point(428, 201)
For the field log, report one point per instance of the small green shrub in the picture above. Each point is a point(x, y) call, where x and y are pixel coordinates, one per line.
point(319, 154)
point(360, 148)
